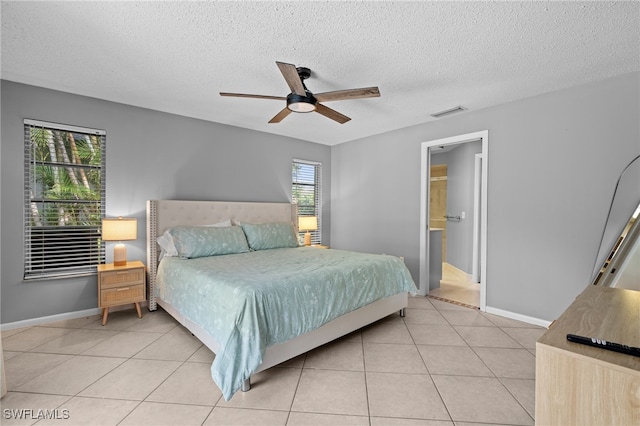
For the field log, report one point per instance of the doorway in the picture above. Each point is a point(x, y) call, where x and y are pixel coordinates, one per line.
point(480, 213)
point(450, 280)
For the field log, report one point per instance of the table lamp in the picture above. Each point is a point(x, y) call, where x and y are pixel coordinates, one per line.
point(120, 229)
point(307, 223)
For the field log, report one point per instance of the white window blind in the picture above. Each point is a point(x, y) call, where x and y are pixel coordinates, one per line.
point(306, 191)
point(64, 199)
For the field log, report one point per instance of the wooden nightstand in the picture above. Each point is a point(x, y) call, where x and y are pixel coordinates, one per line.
point(120, 285)
point(319, 246)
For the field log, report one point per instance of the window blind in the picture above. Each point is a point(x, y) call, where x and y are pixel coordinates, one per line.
point(64, 199)
point(306, 191)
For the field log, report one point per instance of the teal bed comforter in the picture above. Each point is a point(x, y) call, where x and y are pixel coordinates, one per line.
point(250, 301)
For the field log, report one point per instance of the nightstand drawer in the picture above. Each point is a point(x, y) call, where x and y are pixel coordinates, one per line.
point(117, 278)
point(122, 295)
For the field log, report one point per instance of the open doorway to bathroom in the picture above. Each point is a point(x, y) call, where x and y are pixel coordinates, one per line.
point(453, 219)
point(453, 280)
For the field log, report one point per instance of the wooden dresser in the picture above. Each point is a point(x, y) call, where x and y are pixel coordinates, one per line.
point(582, 385)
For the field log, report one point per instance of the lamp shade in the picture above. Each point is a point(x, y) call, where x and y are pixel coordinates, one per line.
point(307, 223)
point(120, 229)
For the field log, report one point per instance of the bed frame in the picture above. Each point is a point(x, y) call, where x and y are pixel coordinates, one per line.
point(164, 214)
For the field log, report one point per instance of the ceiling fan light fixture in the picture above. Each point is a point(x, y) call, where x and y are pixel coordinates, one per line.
point(297, 103)
point(302, 100)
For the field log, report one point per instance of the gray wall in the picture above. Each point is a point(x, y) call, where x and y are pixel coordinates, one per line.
point(460, 180)
point(150, 155)
point(553, 163)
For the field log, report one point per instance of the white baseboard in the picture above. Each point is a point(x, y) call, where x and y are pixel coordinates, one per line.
point(51, 318)
point(97, 311)
point(62, 317)
point(518, 317)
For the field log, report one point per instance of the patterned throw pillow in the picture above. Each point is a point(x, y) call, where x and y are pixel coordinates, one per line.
point(262, 236)
point(202, 241)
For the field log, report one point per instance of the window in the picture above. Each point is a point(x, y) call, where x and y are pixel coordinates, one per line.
point(306, 191)
point(64, 194)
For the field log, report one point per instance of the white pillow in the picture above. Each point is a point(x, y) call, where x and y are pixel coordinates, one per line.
point(168, 247)
point(221, 224)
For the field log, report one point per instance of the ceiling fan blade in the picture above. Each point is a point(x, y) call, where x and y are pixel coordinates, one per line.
point(338, 95)
point(290, 74)
point(245, 95)
point(331, 113)
point(280, 116)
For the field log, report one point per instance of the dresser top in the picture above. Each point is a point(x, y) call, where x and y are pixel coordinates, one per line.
point(606, 313)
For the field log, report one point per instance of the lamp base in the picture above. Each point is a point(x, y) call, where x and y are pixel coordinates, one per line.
point(307, 239)
point(119, 255)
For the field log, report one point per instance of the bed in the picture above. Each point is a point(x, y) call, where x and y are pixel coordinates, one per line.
point(240, 284)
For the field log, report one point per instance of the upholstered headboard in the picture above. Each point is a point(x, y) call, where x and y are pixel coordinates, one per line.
point(164, 214)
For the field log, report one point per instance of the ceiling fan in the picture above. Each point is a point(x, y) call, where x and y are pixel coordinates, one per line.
point(302, 100)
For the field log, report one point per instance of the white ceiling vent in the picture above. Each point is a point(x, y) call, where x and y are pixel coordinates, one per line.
point(449, 111)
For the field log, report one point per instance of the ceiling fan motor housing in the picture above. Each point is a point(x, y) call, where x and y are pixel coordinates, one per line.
point(297, 103)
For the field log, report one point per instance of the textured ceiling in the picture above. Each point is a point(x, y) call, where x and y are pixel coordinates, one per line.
point(424, 56)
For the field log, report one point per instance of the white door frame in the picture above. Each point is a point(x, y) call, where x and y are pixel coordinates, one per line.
point(425, 176)
point(477, 214)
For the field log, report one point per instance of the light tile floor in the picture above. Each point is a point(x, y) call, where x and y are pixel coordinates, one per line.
point(442, 364)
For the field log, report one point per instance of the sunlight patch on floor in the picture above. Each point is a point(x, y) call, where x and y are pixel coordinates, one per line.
point(456, 286)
